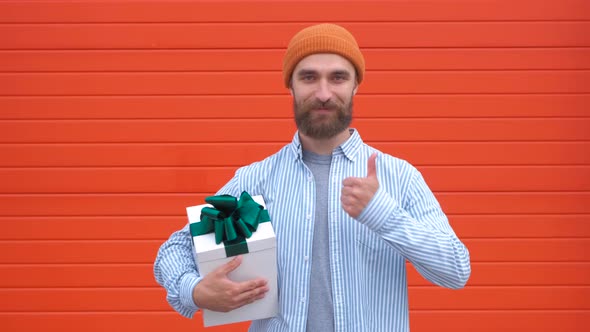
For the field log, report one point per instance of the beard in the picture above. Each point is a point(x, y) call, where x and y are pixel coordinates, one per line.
point(321, 126)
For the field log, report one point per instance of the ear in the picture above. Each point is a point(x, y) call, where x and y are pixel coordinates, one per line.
point(291, 86)
point(356, 87)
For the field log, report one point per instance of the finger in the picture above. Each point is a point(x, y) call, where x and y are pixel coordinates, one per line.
point(251, 295)
point(347, 196)
point(259, 297)
point(346, 191)
point(346, 208)
point(351, 181)
point(347, 182)
point(231, 265)
point(371, 166)
point(251, 284)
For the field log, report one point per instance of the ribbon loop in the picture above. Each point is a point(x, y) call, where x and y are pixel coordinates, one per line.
point(223, 203)
point(231, 219)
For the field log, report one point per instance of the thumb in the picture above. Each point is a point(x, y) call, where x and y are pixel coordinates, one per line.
point(231, 265)
point(371, 166)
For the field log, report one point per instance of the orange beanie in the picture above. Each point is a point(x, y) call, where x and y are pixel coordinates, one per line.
point(322, 38)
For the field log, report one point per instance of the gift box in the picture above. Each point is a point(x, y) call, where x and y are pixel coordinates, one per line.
point(228, 227)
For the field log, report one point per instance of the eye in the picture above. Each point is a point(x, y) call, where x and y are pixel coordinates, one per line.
point(339, 78)
point(308, 77)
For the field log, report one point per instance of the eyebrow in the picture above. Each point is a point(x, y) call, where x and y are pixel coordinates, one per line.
point(304, 72)
point(341, 72)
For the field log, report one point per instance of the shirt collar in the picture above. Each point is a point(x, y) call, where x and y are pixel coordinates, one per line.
point(350, 148)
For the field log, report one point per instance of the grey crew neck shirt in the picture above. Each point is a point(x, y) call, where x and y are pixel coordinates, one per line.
point(320, 313)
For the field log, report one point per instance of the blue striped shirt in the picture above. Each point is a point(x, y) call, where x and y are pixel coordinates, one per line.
point(403, 221)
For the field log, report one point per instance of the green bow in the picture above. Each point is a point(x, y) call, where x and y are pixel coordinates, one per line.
point(231, 219)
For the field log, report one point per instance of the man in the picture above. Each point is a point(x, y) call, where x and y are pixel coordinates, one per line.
point(346, 216)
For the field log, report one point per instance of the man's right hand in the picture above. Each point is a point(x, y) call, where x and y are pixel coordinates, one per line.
point(218, 293)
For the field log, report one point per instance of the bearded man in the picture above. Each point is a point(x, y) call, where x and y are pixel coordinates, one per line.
point(347, 217)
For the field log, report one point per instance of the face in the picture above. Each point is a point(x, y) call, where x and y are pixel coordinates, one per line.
point(322, 86)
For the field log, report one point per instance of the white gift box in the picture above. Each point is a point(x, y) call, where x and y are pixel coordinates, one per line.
point(260, 261)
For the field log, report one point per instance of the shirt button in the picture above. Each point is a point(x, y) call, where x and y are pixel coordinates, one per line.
point(308, 216)
point(303, 300)
point(306, 258)
point(309, 178)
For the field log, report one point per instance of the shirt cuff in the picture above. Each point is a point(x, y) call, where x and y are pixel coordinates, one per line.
point(187, 284)
point(378, 211)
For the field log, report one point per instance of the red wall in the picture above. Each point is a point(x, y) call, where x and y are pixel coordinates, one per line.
point(116, 115)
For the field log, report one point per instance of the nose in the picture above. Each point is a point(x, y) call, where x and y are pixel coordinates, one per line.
point(323, 92)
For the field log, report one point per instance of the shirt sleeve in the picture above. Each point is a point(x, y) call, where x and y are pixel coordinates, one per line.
point(420, 231)
point(175, 268)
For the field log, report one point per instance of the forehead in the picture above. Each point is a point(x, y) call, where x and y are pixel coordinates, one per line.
point(324, 62)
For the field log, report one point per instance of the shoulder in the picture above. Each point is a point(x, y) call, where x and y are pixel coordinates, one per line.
point(396, 176)
point(388, 163)
point(267, 164)
point(254, 177)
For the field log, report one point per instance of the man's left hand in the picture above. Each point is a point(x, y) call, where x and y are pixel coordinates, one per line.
point(357, 192)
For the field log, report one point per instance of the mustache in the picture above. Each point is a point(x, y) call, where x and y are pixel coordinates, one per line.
point(318, 104)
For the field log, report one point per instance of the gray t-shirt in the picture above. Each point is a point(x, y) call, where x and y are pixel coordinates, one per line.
point(320, 314)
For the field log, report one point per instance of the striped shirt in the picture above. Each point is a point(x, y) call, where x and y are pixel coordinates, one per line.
point(403, 221)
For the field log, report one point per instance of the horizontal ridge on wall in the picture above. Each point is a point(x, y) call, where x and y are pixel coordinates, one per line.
point(282, 130)
point(551, 105)
point(134, 251)
point(209, 179)
point(205, 83)
point(542, 320)
point(421, 298)
point(286, 11)
point(146, 227)
point(233, 154)
point(77, 36)
point(518, 58)
point(174, 204)
point(27, 276)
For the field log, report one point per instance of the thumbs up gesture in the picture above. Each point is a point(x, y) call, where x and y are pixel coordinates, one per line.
point(357, 192)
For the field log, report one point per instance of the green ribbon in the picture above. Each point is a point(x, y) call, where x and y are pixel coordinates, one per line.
point(232, 220)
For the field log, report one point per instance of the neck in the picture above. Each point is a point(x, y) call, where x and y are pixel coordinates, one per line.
point(323, 146)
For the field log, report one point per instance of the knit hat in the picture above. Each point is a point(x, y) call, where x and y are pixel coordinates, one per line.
point(322, 38)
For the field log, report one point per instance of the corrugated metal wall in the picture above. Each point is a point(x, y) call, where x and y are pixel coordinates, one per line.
point(116, 115)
